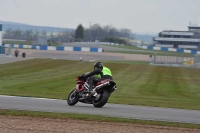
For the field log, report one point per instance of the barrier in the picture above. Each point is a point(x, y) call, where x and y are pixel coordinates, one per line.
point(169, 49)
point(0, 34)
point(57, 48)
point(2, 50)
point(108, 43)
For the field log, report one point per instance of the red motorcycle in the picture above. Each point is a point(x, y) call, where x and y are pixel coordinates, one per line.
point(81, 93)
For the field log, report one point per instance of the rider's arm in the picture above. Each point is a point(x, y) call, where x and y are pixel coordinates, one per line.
point(96, 71)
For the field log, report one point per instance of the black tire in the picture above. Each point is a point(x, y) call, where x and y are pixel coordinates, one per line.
point(102, 100)
point(72, 98)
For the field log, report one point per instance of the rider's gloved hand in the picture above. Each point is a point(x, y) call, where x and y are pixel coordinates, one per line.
point(81, 77)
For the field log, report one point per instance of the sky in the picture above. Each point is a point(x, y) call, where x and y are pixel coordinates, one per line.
point(141, 16)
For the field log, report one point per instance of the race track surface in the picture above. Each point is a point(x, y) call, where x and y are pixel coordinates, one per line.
point(75, 55)
point(112, 110)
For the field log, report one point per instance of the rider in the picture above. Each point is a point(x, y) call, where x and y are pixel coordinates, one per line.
point(16, 52)
point(102, 73)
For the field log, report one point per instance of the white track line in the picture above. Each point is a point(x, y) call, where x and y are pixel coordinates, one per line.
point(27, 97)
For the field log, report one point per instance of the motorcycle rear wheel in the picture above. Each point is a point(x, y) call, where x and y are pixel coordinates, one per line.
point(102, 100)
point(72, 98)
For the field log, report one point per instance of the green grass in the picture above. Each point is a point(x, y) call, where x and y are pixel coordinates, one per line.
point(94, 118)
point(137, 83)
point(17, 42)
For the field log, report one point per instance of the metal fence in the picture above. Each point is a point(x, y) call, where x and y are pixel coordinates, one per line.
point(175, 60)
point(168, 60)
point(197, 59)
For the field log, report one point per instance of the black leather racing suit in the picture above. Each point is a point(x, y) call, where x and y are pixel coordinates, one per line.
point(93, 80)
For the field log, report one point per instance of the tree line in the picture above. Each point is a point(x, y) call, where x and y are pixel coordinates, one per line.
point(95, 32)
point(31, 35)
point(106, 33)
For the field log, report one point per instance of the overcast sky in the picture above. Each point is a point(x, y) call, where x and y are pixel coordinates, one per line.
point(137, 15)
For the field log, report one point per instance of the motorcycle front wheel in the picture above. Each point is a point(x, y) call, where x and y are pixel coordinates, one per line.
point(72, 98)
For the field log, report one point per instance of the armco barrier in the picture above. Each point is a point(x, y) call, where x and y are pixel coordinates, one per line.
point(58, 48)
point(108, 43)
point(2, 50)
point(170, 49)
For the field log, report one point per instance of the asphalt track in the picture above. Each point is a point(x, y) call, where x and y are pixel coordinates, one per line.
point(111, 110)
point(106, 47)
point(71, 56)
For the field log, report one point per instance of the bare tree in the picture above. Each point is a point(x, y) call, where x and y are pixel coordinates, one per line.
point(8, 33)
point(97, 32)
point(16, 34)
point(124, 32)
point(28, 34)
point(43, 33)
point(36, 34)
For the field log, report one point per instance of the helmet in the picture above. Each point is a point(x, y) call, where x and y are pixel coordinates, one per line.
point(98, 65)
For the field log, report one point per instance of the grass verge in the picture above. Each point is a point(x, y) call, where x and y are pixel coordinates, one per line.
point(94, 118)
point(137, 83)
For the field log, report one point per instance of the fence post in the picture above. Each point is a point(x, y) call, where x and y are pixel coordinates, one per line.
point(154, 58)
point(0, 34)
point(10, 51)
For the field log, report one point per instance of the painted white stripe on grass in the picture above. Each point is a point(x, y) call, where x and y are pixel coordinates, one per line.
point(27, 97)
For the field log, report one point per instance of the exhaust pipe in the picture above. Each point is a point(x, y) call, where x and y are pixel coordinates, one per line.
point(115, 87)
point(99, 86)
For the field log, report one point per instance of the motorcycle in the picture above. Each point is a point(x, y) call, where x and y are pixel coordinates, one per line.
point(23, 55)
point(16, 54)
point(103, 89)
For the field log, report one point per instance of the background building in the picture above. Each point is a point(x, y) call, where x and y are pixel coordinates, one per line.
point(179, 39)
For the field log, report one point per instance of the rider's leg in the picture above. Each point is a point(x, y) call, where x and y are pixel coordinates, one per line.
point(91, 83)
